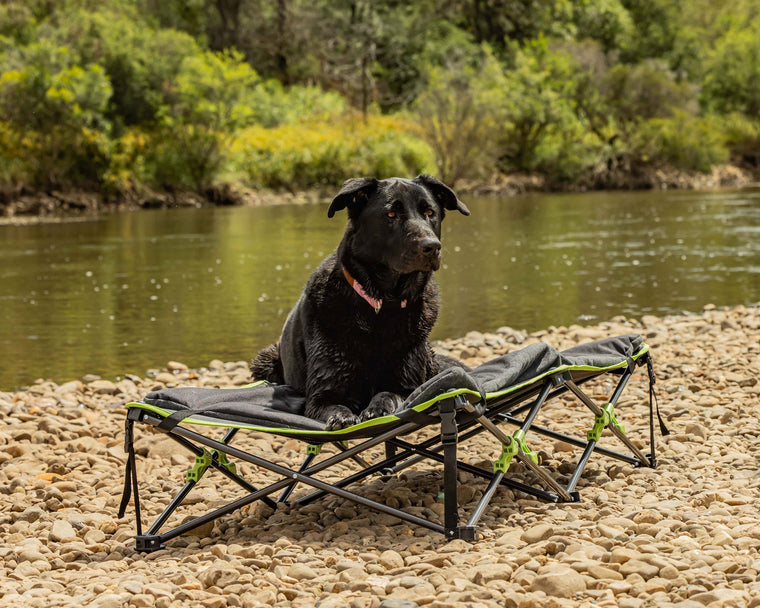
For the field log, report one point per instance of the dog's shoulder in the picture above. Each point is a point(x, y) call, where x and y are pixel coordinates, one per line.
point(321, 286)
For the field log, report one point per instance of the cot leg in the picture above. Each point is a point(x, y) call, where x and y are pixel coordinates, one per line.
point(447, 410)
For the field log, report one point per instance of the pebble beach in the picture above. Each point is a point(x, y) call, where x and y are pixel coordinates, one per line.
point(686, 534)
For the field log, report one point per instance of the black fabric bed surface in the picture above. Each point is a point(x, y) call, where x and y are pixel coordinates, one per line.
point(282, 406)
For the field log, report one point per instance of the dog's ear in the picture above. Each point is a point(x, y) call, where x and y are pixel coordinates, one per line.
point(442, 193)
point(353, 194)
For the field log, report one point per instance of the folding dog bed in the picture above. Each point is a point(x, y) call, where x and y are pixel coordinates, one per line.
point(455, 404)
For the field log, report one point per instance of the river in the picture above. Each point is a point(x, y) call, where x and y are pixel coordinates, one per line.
point(127, 292)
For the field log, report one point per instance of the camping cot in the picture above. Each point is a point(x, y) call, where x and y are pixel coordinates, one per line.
point(453, 407)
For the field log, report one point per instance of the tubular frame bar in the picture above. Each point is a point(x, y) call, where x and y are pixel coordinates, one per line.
point(571, 440)
point(223, 470)
point(472, 469)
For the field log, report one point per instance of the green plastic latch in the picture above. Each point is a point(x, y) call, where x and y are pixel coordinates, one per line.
point(613, 421)
point(314, 449)
point(221, 458)
point(202, 463)
point(519, 436)
point(601, 422)
point(509, 451)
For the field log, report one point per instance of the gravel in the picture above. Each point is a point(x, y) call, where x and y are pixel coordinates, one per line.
point(685, 534)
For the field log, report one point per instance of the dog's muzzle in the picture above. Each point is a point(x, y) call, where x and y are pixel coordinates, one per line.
point(428, 254)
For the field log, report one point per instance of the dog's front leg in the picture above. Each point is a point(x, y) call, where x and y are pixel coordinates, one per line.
point(330, 373)
point(382, 404)
point(335, 416)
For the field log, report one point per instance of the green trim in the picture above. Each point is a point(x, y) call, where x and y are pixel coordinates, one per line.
point(313, 449)
point(306, 432)
point(202, 462)
point(255, 384)
point(421, 407)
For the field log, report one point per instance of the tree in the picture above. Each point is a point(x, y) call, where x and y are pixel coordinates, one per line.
point(211, 98)
point(536, 99)
point(732, 80)
point(460, 112)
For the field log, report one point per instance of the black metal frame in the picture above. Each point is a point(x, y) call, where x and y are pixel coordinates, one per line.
point(458, 421)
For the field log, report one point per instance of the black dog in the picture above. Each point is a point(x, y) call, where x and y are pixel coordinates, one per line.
point(356, 341)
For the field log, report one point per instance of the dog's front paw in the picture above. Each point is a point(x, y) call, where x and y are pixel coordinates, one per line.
point(382, 404)
point(341, 420)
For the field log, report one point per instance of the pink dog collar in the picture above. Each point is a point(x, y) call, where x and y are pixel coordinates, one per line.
point(375, 303)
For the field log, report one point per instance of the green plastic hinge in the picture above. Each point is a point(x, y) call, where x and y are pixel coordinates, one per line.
point(603, 421)
point(314, 449)
point(202, 462)
point(509, 451)
point(222, 459)
point(519, 437)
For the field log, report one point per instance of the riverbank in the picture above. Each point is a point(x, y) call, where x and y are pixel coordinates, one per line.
point(29, 207)
point(686, 534)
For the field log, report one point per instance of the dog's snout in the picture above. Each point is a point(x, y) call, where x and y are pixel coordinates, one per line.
point(430, 246)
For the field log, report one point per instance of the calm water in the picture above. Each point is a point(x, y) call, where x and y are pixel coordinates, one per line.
point(128, 292)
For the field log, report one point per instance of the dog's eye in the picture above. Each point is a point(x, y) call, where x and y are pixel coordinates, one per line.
point(430, 212)
point(391, 214)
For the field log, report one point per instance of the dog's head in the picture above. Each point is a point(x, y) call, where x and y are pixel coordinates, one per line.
point(397, 222)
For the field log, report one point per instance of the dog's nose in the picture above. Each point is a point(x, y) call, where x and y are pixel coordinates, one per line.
point(430, 246)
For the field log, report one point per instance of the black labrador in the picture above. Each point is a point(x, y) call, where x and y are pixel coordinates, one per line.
point(355, 344)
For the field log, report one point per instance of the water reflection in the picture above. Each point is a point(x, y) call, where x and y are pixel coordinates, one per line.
point(130, 291)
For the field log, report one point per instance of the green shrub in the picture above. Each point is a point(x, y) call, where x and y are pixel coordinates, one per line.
point(733, 73)
point(537, 102)
point(320, 154)
point(460, 112)
point(684, 142)
point(55, 113)
point(274, 105)
point(742, 136)
point(644, 91)
point(563, 155)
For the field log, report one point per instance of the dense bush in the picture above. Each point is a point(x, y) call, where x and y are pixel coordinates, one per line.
point(742, 137)
point(324, 154)
point(683, 141)
point(460, 112)
point(732, 81)
point(54, 112)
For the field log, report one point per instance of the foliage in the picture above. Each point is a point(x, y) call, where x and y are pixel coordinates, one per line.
point(742, 137)
point(460, 111)
point(55, 115)
point(322, 154)
point(682, 141)
point(121, 94)
point(644, 91)
point(733, 72)
point(536, 97)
